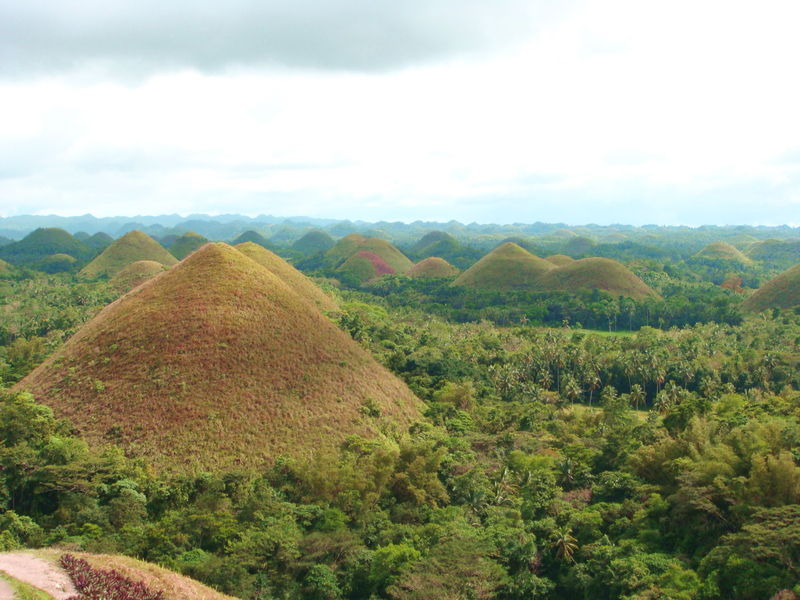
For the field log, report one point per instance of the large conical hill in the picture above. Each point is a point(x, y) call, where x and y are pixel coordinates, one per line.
point(131, 247)
point(186, 244)
point(783, 291)
point(507, 267)
point(301, 284)
point(215, 364)
point(596, 274)
point(41, 243)
point(432, 266)
point(560, 260)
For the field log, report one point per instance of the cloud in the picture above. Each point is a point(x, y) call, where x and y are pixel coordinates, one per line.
point(146, 36)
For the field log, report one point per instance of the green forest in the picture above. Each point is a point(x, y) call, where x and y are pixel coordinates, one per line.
point(622, 422)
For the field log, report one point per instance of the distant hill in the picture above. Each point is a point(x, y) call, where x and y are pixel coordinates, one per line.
point(432, 267)
point(782, 291)
point(186, 244)
point(722, 251)
point(217, 364)
point(776, 252)
point(560, 260)
point(254, 237)
point(56, 263)
point(133, 246)
point(135, 274)
point(507, 267)
point(444, 245)
point(301, 284)
point(383, 250)
point(97, 242)
point(595, 273)
point(314, 242)
point(435, 238)
point(42, 243)
point(579, 245)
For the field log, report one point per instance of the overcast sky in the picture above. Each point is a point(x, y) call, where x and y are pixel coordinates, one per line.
point(603, 111)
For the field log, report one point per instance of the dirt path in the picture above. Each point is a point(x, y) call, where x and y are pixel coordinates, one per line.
point(6, 593)
point(38, 573)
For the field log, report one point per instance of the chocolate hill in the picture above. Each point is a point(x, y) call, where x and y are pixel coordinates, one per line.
point(217, 363)
point(385, 251)
point(507, 267)
point(314, 242)
point(41, 243)
point(782, 291)
point(186, 244)
point(595, 274)
point(135, 274)
point(432, 267)
point(131, 247)
point(301, 284)
point(560, 260)
point(724, 252)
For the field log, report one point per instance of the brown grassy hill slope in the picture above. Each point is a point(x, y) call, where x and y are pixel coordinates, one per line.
point(507, 267)
point(432, 267)
point(131, 247)
point(288, 274)
point(560, 260)
point(596, 273)
point(217, 363)
point(782, 291)
point(135, 274)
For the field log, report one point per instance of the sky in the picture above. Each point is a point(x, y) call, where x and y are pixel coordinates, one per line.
point(576, 111)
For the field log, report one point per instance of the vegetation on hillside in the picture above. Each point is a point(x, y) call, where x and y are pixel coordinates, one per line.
point(132, 247)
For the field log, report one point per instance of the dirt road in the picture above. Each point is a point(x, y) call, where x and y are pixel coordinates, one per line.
point(37, 572)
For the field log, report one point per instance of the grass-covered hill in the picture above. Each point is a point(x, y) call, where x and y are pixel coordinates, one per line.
point(56, 263)
point(444, 245)
point(560, 260)
point(595, 273)
point(507, 267)
point(782, 291)
point(385, 251)
point(135, 274)
point(186, 244)
point(776, 252)
point(41, 243)
point(131, 247)
point(723, 251)
point(314, 242)
point(252, 236)
point(217, 363)
point(364, 266)
point(301, 284)
point(432, 266)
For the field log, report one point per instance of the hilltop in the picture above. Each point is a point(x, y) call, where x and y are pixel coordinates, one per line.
point(41, 243)
point(560, 260)
point(135, 274)
point(507, 267)
point(131, 247)
point(782, 291)
point(217, 364)
point(595, 274)
point(723, 251)
point(314, 242)
point(365, 266)
point(433, 241)
point(56, 263)
point(776, 252)
point(186, 244)
point(302, 285)
point(254, 237)
point(432, 266)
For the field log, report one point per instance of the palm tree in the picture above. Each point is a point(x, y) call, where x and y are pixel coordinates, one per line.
point(564, 544)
